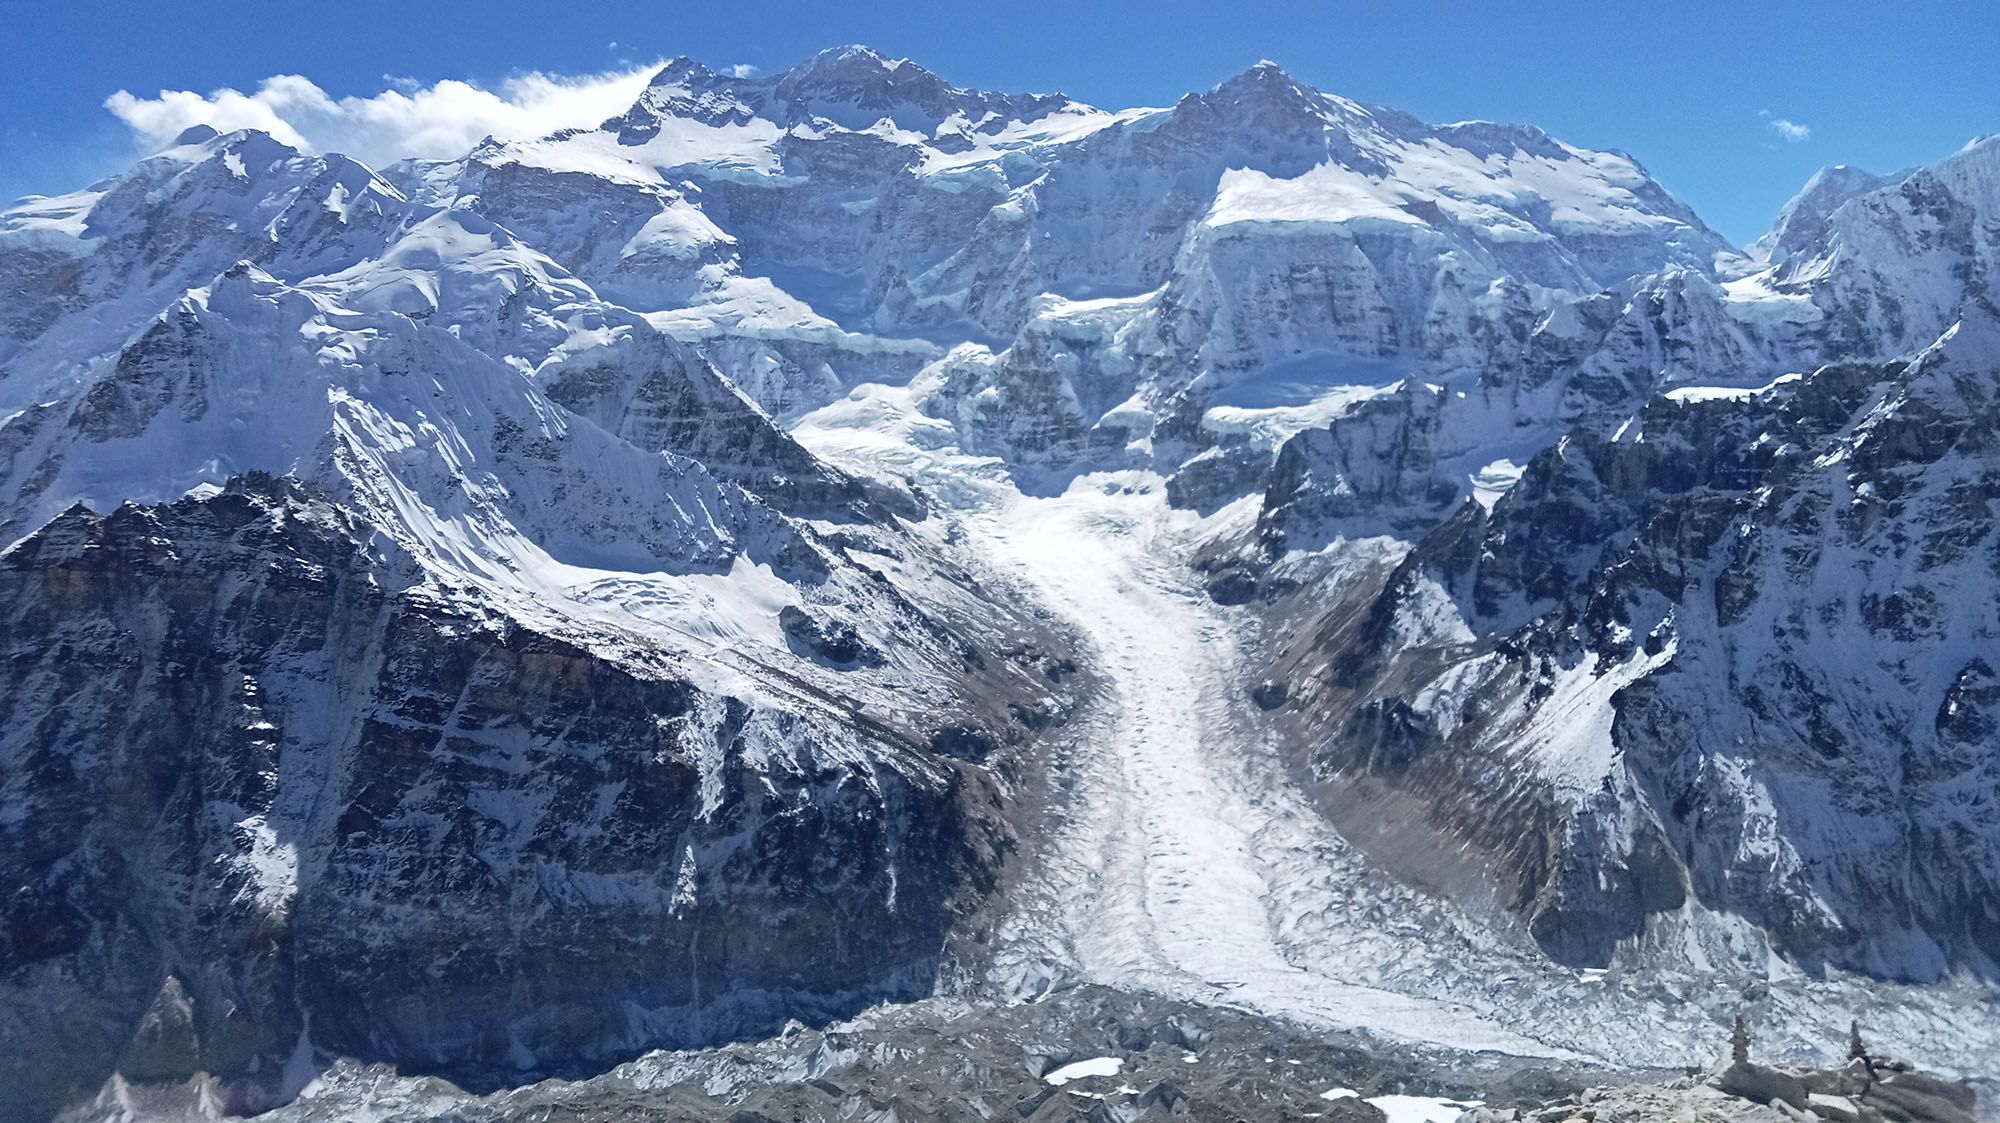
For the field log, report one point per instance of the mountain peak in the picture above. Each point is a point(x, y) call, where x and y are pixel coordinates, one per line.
point(855, 64)
point(1266, 100)
point(1835, 177)
point(681, 70)
point(1263, 83)
point(1802, 223)
point(1265, 75)
point(854, 53)
point(852, 86)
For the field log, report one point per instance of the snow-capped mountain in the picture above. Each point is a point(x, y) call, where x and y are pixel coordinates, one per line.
point(375, 477)
point(1801, 225)
point(1745, 646)
point(1731, 629)
point(837, 536)
point(1895, 267)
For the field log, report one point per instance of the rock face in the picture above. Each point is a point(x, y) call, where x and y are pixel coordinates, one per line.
point(1744, 649)
point(270, 798)
point(1721, 645)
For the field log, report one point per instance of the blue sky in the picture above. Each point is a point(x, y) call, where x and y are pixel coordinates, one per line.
point(1732, 105)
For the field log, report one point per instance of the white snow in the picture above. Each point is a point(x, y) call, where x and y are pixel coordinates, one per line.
point(1421, 1109)
point(1570, 729)
point(272, 864)
point(47, 223)
point(1079, 1070)
point(747, 151)
point(685, 894)
point(1329, 194)
point(756, 308)
point(1306, 392)
point(1753, 299)
point(1730, 393)
point(1493, 196)
point(1064, 126)
point(680, 230)
point(1495, 480)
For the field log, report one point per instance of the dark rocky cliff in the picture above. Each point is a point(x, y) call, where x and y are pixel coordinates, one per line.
point(1740, 656)
point(267, 797)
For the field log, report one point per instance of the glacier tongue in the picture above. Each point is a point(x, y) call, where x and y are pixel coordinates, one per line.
point(1189, 862)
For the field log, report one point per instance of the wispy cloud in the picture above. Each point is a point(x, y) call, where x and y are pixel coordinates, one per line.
point(1789, 130)
point(744, 70)
point(407, 119)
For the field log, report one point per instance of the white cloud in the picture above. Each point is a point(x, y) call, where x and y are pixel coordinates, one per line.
point(1790, 130)
point(440, 120)
point(744, 70)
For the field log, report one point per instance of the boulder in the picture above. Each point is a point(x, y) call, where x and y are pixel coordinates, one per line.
point(1762, 1084)
point(1840, 1109)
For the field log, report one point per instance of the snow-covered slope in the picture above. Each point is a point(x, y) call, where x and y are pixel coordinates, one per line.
point(442, 503)
point(1689, 629)
point(1740, 650)
point(1802, 224)
point(1896, 266)
point(855, 217)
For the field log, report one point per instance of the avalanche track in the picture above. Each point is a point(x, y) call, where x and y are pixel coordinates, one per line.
point(1191, 866)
